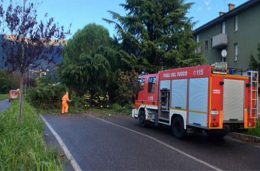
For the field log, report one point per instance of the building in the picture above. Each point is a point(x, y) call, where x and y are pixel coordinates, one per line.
point(231, 37)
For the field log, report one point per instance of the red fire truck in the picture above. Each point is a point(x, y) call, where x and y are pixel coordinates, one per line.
point(202, 98)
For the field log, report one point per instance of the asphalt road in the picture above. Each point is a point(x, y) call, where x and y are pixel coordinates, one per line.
point(98, 145)
point(4, 105)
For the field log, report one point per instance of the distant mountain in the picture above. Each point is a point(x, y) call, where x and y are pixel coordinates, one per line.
point(57, 59)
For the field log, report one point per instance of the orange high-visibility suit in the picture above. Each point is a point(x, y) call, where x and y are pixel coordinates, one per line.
point(65, 104)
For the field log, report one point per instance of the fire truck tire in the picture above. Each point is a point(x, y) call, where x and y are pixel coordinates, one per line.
point(177, 127)
point(141, 120)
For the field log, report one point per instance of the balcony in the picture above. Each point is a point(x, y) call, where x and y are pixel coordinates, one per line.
point(219, 41)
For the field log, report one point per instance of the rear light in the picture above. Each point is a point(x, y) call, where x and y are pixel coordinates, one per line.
point(214, 118)
point(215, 124)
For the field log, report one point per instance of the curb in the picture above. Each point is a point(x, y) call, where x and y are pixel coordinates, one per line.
point(245, 137)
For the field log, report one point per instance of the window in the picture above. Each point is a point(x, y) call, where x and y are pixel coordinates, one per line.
point(236, 23)
point(236, 52)
point(206, 45)
point(198, 49)
point(141, 84)
point(197, 38)
point(223, 27)
point(151, 84)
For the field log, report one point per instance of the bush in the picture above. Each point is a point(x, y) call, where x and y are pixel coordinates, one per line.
point(256, 131)
point(8, 81)
point(126, 109)
point(77, 103)
point(96, 100)
point(22, 146)
point(126, 87)
point(117, 107)
point(46, 96)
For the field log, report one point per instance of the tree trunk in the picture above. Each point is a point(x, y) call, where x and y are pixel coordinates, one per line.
point(21, 100)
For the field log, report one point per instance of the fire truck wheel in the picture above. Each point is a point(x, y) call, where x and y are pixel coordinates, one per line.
point(141, 120)
point(178, 127)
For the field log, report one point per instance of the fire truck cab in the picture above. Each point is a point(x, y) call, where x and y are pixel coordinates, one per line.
point(203, 98)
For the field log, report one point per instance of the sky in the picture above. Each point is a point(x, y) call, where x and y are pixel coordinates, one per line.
point(204, 11)
point(82, 12)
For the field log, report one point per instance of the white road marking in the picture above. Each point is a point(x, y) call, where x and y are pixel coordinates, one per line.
point(162, 143)
point(73, 162)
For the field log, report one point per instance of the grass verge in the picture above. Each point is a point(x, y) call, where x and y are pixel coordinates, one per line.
point(256, 131)
point(113, 110)
point(3, 96)
point(22, 146)
point(108, 111)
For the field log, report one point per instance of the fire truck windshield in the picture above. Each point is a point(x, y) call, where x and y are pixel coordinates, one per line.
point(141, 81)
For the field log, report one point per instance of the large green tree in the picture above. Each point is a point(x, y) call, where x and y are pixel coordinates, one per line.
point(157, 33)
point(84, 67)
point(91, 61)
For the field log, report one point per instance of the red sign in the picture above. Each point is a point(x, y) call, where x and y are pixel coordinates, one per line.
point(189, 72)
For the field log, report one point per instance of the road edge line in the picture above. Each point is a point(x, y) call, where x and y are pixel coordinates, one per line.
point(69, 156)
point(162, 143)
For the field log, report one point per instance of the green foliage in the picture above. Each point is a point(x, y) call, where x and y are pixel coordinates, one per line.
point(8, 82)
point(88, 40)
point(255, 131)
point(3, 96)
point(125, 83)
point(158, 33)
point(114, 109)
point(117, 107)
point(87, 74)
point(91, 60)
point(84, 68)
point(96, 100)
point(46, 95)
point(255, 61)
point(154, 35)
point(77, 103)
point(126, 109)
point(22, 146)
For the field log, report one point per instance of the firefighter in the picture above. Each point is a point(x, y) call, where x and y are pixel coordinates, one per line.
point(65, 103)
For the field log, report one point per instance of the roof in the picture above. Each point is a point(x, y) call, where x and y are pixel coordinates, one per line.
point(230, 13)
